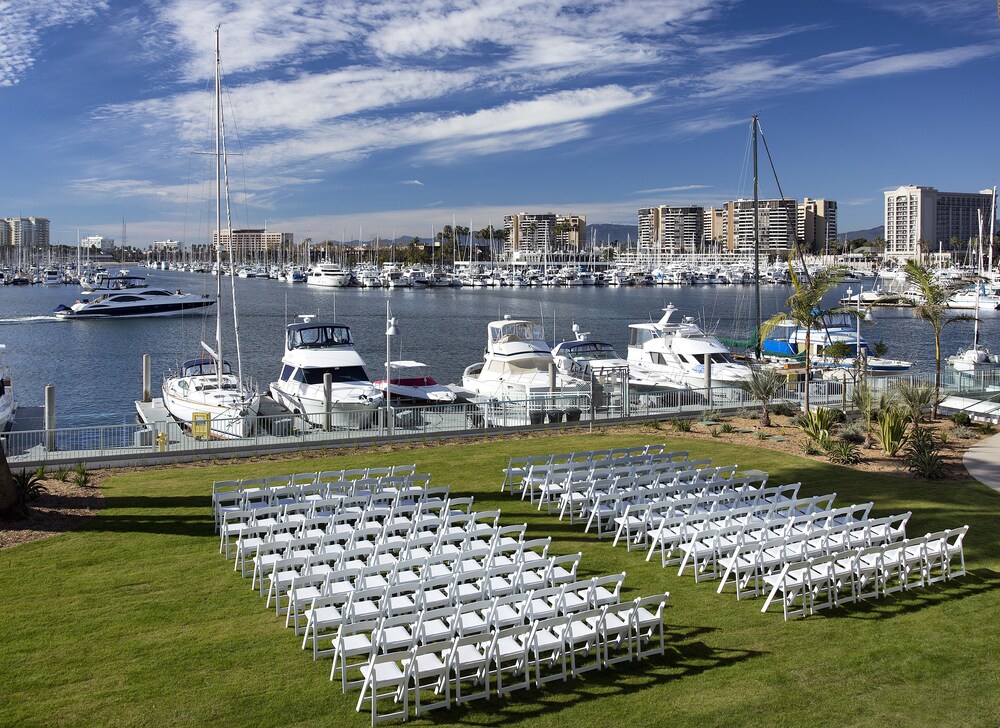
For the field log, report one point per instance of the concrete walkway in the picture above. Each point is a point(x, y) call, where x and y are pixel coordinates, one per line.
point(982, 460)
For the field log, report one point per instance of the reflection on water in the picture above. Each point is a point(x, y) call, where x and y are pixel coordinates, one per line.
point(96, 365)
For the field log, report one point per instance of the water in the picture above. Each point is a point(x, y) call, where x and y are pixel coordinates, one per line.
point(96, 366)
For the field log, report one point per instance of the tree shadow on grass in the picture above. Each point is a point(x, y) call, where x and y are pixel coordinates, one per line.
point(685, 657)
point(183, 515)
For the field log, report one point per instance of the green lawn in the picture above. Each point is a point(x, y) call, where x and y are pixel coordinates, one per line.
point(136, 620)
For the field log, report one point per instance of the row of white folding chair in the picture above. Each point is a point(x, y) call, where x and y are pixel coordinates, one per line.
point(819, 583)
point(747, 565)
point(385, 544)
point(675, 531)
point(579, 490)
point(448, 593)
point(518, 466)
point(641, 520)
point(709, 548)
point(407, 486)
point(637, 516)
point(512, 658)
point(549, 481)
point(232, 494)
point(437, 623)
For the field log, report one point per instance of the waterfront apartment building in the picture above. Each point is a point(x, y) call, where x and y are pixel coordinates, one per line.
point(669, 230)
point(714, 226)
point(30, 232)
point(916, 214)
point(99, 244)
point(778, 219)
point(531, 235)
point(248, 243)
point(165, 247)
point(816, 224)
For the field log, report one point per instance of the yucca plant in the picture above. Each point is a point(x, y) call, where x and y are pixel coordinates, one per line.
point(843, 452)
point(763, 385)
point(891, 431)
point(28, 487)
point(915, 399)
point(922, 457)
point(816, 425)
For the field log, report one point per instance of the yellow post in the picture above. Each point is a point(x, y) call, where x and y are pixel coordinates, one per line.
point(201, 425)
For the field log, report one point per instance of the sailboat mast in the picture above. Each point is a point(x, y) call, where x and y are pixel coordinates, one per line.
point(218, 209)
point(756, 243)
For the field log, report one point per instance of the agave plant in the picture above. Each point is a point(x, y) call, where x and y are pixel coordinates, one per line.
point(915, 399)
point(816, 425)
point(28, 487)
point(891, 431)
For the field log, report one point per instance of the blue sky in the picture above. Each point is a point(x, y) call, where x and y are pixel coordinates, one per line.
point(396, 115)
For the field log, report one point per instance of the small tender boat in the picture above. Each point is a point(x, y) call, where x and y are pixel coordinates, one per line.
point(134, 304)
point(409, 386)
point(313, 349)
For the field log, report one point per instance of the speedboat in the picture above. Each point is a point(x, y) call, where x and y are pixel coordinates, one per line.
point(519, 365)
point(134, 304)
point(7, 404)
point(328, 275)
point(788, 340)
point(313, 349)
point(678, 350)
point(201, 386)
point(409, 386)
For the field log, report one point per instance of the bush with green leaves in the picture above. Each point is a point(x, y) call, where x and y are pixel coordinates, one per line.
point(915, 399)
point(985, 429)
point(922, 457)
point(785, 409)
point(80, 475)
point(727, 428)
point(712, 415)
point(62, 473)
point(714, 431)
point(963, 433)
point(843, 452)
point(817, 423)
point(683, 425)
point(854, 432)
point(41, 471)
point(891, 430)
point(28, 487)
point(961, 419)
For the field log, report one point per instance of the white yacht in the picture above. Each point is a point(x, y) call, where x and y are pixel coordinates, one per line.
point(7, 404)
point(313, 349)
point(52, 276)
point(146, 302)
point(328, 275)
point(788, 340)
point(677, 351)
point(519, 364)
point(208, 386)
point(410, 385)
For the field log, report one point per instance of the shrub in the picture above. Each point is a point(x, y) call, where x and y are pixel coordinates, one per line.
point(816, 425)
point(80, 475)
point(891, 431)
point(985, 429)
point(943, 438)
point(683, 425)
point(711, 415)
point(811, 448)
point(838, 416)
point(843, 453)
point(784, 409)
point(922, 457)
point(28, 487)
point(915, 399)
point(761, 435)
point(62, 473)
point(853, 432)
point(726, 428)
point(963, 433)
point(40, 471)
point(746, 414)
point(961, 419)
point(714, 431)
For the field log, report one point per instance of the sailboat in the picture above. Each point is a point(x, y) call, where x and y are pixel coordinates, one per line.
point(977, 358)
point(207, 385)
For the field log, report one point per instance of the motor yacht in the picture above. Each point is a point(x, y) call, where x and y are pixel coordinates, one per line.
point(677, 351)
point(146, 302)
point(52, 276)
point(313, 349)
point(788, 340)
point(410, 386)
point(7, 404)
point(519, 365)
point(328, 275)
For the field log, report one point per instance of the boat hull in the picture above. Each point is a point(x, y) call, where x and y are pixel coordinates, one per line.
point(349, 413)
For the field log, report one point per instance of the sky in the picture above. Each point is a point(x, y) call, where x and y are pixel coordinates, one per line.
point(353, 118)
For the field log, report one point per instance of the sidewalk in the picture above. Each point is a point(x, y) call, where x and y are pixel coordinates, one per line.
point(982, 460)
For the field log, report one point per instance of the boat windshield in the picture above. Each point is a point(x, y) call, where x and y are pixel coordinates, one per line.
point(525, 365)
point(318, 337)
point(314, 375)
point(592, 351)
point(204, 368)
point(509, 331)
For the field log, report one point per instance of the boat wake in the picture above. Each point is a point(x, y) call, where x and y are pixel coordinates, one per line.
point(27, 319)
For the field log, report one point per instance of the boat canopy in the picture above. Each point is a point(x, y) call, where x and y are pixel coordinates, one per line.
point(510, 331)
point(318, 336)
point(203, 367)
point(588, 350)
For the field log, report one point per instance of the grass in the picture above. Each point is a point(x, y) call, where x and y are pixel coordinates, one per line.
point(136, 620)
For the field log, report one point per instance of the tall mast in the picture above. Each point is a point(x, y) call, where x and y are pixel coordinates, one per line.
point(756, 243)
point(218, 209)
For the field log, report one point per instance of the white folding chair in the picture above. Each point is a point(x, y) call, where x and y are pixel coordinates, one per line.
point(468, 663)
point(385, 677)
point(509, 657)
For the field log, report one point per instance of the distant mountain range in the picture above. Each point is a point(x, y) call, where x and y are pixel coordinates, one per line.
point(869, 234)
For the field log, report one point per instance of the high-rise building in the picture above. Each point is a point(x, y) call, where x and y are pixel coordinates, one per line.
point(816, 224)
point(916, 214)
point(99, 244)
point(777, 221)
point(571, 233)
point(669, 230)
point(30, 232)
point(251, 242)
point(714, 225)
point(165, 246)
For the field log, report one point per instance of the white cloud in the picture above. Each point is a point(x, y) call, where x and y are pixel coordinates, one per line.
point(22, 24)
point(920, 61)
point(416, 182)
point(677, 188)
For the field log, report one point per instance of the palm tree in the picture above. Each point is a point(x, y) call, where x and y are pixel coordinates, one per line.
point(763, 385)
point(805, 309)
point(931, 310)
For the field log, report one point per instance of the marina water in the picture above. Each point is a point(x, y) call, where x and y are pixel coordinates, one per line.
point(95, 365)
